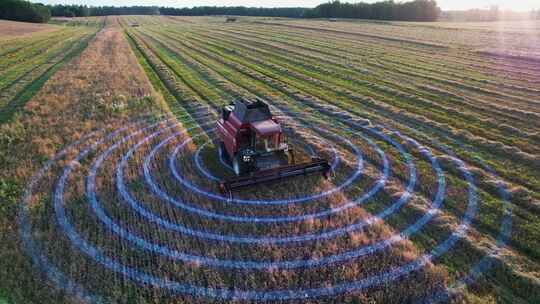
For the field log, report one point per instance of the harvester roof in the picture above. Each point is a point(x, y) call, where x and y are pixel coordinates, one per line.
point(251, 111)
point(266, 127)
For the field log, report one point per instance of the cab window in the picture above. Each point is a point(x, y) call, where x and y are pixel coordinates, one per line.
point(267, 143)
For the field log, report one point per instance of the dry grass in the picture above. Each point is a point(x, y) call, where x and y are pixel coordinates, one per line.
point(103, 79)
point(101, 88)
point(14, 29)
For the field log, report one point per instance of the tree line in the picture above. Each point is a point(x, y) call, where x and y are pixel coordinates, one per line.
point(84, 11)
point(416, 10)
point(18, 10)
point(60, 10)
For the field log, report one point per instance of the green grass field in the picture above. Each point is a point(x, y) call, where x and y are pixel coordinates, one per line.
point(444, 117)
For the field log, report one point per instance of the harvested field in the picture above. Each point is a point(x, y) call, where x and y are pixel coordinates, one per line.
point(503, 36)
point(27, 62)
point(434, 145)
point(13, 29)
point(102, 88)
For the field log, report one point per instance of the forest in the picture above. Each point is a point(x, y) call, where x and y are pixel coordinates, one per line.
point(418, 10)
point(18, 10)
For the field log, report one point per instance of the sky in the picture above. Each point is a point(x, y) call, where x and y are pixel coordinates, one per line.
point(517, 5)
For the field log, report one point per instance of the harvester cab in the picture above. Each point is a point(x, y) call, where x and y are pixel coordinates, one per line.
point(252, 141)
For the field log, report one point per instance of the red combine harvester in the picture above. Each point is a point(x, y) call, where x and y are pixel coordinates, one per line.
point(253, 143)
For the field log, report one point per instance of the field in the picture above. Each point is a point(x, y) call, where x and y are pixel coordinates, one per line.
point(433, 132)
point(14, 29)
point(30, 54)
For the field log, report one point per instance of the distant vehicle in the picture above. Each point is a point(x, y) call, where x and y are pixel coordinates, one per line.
point(333, 20)
point(252, 142)
point(135, 25)
point(231, 19)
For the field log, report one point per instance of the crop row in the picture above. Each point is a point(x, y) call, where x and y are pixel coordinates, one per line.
point(26, 67)
point(214, 67)
point(459, 133)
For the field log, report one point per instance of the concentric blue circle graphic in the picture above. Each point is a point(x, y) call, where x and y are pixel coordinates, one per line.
point(151, 150)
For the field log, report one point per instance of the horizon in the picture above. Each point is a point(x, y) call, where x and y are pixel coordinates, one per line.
point(445, 5)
